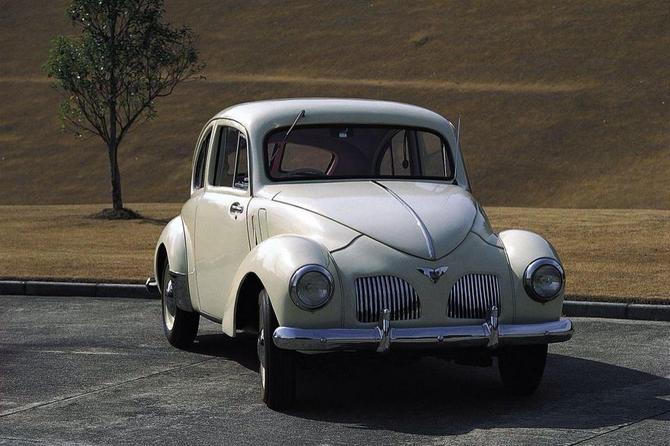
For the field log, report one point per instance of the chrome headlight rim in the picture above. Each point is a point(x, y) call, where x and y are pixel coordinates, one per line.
point(295, 280)
point(532, 268)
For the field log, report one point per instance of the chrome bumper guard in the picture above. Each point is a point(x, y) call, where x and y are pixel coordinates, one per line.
point(382, 337)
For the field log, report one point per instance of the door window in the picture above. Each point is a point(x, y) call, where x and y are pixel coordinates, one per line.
point(241, 169)
point(226, 150)
point(229, 167)
point(199, 170)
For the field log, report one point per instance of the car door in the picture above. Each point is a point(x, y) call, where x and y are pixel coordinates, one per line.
point(188, 211)
point(221, 236)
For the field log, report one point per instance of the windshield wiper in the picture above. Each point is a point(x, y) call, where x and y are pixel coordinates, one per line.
point(275, 150)
point(297, 118)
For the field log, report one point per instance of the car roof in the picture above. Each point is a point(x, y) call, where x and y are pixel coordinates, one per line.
point(281, 112)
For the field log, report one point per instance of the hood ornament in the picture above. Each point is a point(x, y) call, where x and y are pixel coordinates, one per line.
point(433, 274)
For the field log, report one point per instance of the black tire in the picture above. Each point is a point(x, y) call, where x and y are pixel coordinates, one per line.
point(521, 368)
point(277, 366)
point(180, 327)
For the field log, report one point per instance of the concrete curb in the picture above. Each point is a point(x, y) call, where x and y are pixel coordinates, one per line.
point(617, 310)
point(574, 308)
point(44, 288)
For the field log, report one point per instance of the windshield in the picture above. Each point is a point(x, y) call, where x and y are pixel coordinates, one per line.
point(350, 151)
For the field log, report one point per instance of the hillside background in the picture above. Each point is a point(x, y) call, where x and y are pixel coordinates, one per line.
point(564, 104)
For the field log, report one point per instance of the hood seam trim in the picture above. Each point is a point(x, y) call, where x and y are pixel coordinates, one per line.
point(430, 244)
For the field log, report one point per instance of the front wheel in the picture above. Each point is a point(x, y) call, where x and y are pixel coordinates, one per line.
point(180, 327)
point(521, 368)
point(277, 366)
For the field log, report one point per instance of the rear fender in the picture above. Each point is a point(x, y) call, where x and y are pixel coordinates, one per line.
point(173, 241)
point(172, 246)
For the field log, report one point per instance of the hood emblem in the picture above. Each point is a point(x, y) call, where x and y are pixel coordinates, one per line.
point(433, 274)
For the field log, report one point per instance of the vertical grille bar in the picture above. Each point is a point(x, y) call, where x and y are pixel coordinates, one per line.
point(483, 293)
point(472, 287)
point(358, 300)
point(368, 297)
point(397, 297)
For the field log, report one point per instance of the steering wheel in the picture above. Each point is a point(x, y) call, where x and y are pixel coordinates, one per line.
point(305, 171)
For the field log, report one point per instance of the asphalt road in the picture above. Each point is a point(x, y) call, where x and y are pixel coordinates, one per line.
point(98, 371)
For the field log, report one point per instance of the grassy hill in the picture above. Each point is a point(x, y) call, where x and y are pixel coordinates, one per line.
point(564, 104)
point(62, 242)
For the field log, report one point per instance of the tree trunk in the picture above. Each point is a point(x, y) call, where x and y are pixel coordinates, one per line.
point(113, 142)
point(117, 198)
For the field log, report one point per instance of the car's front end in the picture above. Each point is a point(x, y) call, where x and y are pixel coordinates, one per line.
point(392, 300)
point(417, 265)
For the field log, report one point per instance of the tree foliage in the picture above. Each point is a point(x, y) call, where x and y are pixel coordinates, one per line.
point(125, 58)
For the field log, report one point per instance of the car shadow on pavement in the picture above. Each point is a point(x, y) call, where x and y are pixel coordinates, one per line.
point(429, 396)
point(433, 397)
point(242, 349)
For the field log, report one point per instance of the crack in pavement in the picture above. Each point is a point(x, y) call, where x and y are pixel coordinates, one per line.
point(95, 390)
point(632, 423)
point(27, 440)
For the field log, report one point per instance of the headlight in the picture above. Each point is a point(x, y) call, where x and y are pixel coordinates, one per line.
point(311, 287)
point(544, 279)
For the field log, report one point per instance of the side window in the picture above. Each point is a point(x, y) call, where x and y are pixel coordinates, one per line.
point(199, 170)
point(224, 162)
point(242, 169)
point(396, 160)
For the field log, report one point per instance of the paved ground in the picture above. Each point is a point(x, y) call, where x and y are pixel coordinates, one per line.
point(98, 371)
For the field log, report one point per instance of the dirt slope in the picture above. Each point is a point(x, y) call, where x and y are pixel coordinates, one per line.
point(565, 104)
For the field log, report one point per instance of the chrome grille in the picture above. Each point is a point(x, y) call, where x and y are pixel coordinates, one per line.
point(472, 296)
point(373, 294)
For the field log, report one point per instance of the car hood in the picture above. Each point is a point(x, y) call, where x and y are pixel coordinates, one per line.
point(424, 219)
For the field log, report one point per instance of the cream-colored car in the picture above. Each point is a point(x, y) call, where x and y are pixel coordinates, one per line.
point(343, 225)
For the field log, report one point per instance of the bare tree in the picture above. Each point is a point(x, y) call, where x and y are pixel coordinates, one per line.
point(111, 75)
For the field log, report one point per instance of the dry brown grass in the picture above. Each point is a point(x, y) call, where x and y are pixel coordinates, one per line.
point(614, 254)
point(64, 242)
point(608, 254)
point(565, 104)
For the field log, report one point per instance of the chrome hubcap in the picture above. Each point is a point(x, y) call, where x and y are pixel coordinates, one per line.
point(169, 305)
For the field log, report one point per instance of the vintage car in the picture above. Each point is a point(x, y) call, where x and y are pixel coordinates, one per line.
point(324, 225)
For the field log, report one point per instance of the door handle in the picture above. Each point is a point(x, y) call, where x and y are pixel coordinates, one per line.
point(236, 208)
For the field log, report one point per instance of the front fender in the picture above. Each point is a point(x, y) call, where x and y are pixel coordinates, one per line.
point(274, 261)
point(521, 248)
point(173, 244)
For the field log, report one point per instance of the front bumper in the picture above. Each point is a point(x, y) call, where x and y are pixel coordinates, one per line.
point(381, 338)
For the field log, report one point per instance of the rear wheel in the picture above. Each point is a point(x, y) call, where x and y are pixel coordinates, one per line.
point(277, 366)
point(180, 327)
point(521, 368)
